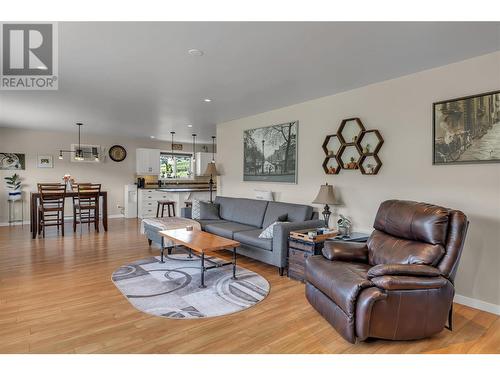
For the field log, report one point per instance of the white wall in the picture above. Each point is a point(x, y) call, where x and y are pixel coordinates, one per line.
point(402, 110)
point(112, 175)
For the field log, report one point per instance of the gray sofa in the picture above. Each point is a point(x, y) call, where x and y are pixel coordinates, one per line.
point(244, 219)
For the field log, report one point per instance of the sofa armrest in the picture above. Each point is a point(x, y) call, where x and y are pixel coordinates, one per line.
point(402, 270)
point(346, 251)
point(409, 282)
point(281, 231)
point(186, 212)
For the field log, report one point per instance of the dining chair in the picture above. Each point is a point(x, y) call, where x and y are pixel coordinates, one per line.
point(51, 208)
point(86, 205)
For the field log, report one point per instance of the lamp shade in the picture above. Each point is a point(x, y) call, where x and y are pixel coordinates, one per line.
point(325, 195)
point(211, 170)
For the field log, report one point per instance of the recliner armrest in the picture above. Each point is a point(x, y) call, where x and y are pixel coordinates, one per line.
point(402, 270)
point(346, 251)
point(408, 282)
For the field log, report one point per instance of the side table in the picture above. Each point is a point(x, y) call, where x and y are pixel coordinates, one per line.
point(300, 249)
point(298, 252)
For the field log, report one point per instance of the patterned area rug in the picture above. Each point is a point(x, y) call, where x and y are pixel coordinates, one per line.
point(171, 289)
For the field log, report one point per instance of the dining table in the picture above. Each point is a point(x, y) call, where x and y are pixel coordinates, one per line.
point(35, 201)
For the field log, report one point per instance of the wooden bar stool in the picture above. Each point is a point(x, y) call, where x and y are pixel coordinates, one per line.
point(163, 204)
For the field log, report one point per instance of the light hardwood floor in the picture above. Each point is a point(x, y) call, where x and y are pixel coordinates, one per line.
point(56, 296)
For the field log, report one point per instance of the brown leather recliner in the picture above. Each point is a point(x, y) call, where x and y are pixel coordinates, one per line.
point(398, 285)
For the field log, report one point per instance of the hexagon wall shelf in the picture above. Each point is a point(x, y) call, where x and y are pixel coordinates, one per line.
point(349, 131)
point(353, 147)
point(370, 164)
point(349, 157)
point(370, 142)
point(331, 145)
point(331, 165)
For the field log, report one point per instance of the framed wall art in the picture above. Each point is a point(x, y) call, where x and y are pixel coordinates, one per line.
point(45, 161)
point(12, 161)
point(270, 153)
point(467, 130)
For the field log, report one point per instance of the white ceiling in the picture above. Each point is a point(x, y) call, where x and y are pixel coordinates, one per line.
point(138, 79)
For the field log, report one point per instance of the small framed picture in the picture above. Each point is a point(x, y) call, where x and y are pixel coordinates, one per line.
point(45, 161)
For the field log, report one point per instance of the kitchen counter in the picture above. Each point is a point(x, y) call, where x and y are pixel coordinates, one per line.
point(148, 197)
point(179, 189)
point(183, 190)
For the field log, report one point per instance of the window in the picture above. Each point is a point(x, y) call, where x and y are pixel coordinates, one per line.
point(175, 166)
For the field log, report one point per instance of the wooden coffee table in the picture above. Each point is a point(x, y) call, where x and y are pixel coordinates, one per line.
point(200, 243)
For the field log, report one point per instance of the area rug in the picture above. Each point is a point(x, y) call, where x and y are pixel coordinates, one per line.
point(171, 289)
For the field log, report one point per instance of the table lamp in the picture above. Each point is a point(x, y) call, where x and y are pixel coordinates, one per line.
point(211, 171)
point(325, 196)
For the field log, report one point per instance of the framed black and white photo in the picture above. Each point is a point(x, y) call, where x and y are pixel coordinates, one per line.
point(467, 130)
point(270, 153)
point(12, 161)
point(45, 161)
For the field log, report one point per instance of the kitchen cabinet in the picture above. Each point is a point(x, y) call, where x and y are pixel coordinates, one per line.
point(147, 161)
point(148, 200)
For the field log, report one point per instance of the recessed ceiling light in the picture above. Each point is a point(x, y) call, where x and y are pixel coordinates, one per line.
point(190, 126)
point(195, 52)
point(152, 137)
point(207, 100)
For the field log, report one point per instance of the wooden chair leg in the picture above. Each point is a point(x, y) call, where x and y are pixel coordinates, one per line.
point(163, 210)
point(158, 209)
point(62, 223)
point(96, 218)
point(173, 209)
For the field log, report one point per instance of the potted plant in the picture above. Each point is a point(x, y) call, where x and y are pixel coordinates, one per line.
point(14, 187)
point(367, 148)
point(352, 163)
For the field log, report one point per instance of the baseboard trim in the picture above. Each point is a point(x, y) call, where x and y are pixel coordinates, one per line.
point(66, 218)
point(477, 304)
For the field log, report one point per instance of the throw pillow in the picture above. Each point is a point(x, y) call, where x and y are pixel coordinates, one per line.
point(283, 217)
point(195, 209)
point(209, 211)
point(268, 232)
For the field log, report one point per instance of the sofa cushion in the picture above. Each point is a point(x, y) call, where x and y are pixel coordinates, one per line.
point(340, 281)
point(209, 211)
point(242, 210)
point(227, 229)
point(251, 237)
point(413, 220)
point(204, 223)
point(386, 249)
point(294, 212)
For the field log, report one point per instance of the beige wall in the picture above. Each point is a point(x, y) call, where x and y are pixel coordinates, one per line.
point(112, 175)
point(401, 109)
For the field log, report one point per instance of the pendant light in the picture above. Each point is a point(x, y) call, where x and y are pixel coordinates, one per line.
point(194, 148)
point(79, 152)
point(172, 154)
point(213, 148)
